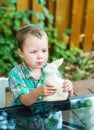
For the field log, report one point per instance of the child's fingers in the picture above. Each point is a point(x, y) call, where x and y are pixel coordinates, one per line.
point(49, 89)
point(67, 85)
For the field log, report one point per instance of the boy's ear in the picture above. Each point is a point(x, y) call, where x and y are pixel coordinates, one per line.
point(20, 53)
point(58, 62)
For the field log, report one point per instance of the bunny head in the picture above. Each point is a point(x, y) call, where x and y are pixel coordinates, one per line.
point(52, 67)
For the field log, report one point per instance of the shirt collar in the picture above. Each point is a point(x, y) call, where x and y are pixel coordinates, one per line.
point(26, 70)
point(28, 73)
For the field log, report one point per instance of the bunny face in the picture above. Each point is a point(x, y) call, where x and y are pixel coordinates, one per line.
point(52, 67)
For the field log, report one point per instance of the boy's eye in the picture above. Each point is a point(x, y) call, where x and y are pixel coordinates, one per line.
point(33, 52)
point(44, 50)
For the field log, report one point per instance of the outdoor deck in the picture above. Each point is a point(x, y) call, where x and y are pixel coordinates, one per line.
point(81, 87)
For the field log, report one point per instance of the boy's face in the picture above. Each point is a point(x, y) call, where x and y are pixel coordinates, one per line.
point(35, 52)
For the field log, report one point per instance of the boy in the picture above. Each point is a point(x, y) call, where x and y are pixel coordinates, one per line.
point(27, 80)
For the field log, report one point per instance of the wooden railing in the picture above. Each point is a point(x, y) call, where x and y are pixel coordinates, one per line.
point(77, 15)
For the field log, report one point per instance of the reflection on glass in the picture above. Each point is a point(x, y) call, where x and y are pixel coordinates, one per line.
point(39, 116)
point(81, 113)
point(73, 114)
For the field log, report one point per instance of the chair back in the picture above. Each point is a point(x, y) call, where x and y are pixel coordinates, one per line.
point(3, 85)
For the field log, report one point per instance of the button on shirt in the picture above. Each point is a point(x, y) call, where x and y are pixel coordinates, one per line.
point(21, 81)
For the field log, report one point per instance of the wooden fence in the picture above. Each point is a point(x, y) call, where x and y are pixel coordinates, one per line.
point(75, 14)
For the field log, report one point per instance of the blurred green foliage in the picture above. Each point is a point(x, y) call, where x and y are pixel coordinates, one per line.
point(74, 67)
point(10, 21)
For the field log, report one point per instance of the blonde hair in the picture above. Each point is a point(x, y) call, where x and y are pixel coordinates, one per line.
point(28, 30)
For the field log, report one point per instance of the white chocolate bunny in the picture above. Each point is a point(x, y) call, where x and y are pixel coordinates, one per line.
point(53, 79)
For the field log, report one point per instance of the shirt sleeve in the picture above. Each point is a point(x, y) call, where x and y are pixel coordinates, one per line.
point(17, 84)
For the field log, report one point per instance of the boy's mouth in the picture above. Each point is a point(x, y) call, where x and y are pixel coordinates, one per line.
point(40, 63)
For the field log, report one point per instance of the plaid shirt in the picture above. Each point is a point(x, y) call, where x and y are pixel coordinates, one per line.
point(21, 81)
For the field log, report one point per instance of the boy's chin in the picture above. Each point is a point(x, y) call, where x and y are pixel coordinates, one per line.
point(40, 67)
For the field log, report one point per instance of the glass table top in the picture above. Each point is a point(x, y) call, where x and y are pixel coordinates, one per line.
point(73, 114)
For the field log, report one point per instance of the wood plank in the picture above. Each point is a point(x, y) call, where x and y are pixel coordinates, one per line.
point(81, 91)
point(35, 8)
point(51, 7)
point(76, 22)
point(62, 15)
point(89, 27)
point(23, 5)
point(91, 89)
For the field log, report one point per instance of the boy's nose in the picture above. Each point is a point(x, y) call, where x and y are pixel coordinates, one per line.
point(40, 55)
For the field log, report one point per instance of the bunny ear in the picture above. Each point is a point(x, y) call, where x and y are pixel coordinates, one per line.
point(58, 62)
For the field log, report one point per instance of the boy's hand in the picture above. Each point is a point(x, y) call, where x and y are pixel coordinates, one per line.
point(46, 90)
point(68, 87)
